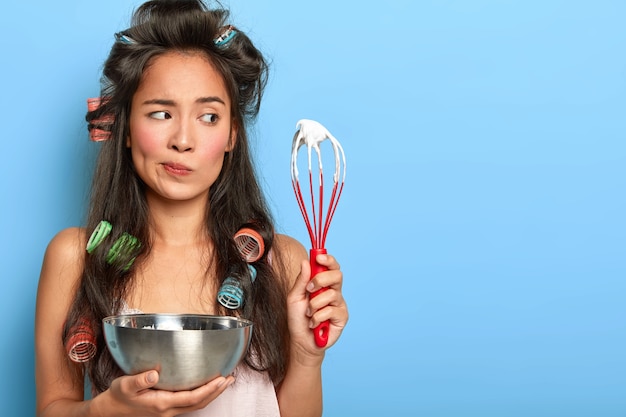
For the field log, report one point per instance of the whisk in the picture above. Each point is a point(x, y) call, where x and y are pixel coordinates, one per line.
point(317, 220)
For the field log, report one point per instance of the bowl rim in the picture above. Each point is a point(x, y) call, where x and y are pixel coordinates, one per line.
point(108, 320)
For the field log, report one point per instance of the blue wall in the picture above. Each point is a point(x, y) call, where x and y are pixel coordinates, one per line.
point(482, 227)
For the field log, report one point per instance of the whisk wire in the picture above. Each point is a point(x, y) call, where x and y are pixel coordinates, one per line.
point(317, 223)
point(334, 200)
point(305, 215)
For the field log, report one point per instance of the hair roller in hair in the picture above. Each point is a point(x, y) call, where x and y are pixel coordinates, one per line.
point(122, 249)
point(81, 345)
point(230, 294)
point(101, 231)
point(99, 129)
point(227, 35)
point(250, 244)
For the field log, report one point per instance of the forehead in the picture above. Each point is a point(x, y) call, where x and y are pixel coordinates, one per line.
point(182, 73)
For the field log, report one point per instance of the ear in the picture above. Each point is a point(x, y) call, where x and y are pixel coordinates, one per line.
point(233, 137)
point(128, 141)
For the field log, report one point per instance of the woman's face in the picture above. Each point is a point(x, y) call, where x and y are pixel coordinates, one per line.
point(180, 126)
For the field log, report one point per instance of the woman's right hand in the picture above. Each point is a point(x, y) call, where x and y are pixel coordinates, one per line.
point(133, 395)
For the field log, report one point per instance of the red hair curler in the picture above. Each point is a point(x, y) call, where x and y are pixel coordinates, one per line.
point(81, 345)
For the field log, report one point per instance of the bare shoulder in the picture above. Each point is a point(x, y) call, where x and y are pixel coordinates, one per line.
point(66, 249)
point(290, 247)
point(292, 253)
point(69, 240)
point(63, 263)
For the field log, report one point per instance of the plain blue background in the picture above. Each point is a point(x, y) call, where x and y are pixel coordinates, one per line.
point(482, 227)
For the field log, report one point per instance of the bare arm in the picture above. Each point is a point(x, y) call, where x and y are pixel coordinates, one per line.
point(300, 393)
point(59, 382)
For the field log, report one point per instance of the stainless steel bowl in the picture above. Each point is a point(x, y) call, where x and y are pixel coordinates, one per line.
point(187, 350)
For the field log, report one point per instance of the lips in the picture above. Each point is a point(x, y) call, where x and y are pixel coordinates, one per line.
point(176, 169)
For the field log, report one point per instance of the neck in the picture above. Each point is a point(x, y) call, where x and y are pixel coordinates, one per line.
point(177, 223)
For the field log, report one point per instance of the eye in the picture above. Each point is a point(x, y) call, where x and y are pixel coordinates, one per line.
point(209, 118)
point(160, 115)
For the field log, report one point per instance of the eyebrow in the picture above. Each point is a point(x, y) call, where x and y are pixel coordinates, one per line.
point(201, 100)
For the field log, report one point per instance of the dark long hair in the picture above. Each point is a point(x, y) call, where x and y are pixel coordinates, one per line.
point(235, 199)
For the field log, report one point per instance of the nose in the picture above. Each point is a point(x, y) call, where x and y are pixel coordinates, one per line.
point(182, 139)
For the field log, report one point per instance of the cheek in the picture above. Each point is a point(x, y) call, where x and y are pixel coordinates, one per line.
point(214, 149)
point(143, 140)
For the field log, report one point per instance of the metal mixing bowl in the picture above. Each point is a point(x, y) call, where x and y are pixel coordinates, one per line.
point(187, 350)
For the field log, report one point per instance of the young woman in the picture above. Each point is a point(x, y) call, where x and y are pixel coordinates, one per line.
point(175, 179)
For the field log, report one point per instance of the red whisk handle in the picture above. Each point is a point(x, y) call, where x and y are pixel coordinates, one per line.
point(321, 331)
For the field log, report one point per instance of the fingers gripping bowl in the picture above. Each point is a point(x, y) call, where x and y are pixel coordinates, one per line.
point(188, 350)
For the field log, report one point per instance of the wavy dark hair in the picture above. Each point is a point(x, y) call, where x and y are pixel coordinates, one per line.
point(235, 199)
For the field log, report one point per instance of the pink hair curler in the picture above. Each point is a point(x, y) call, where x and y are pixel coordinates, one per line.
point(96, 133)
point(311, 134)
point(81, 345)
point(250, 244)
point(93, 103)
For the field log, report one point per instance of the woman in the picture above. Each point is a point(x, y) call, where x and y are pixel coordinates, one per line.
point(174, 182)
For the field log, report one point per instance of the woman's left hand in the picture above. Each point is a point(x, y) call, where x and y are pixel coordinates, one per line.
point(306, 313)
